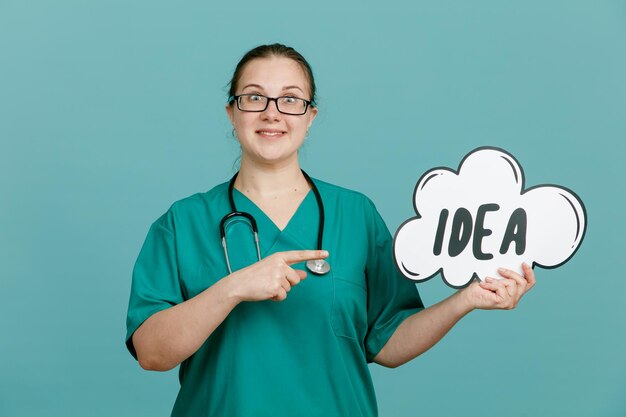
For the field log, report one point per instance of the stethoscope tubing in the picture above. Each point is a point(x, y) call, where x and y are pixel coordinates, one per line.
point(318, 267)
point(255, 232)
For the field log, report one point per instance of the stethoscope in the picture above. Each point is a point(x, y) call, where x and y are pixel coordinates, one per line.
point(316, 266)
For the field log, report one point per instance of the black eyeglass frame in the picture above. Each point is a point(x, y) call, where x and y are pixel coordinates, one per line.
point(307, 103)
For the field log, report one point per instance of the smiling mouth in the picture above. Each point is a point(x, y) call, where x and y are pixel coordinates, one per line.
point(271, 133)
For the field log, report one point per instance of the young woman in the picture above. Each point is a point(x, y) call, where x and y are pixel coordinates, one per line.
point(271, 338)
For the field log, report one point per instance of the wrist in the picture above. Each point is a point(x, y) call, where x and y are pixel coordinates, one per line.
point(230, 290)
point(463, 301)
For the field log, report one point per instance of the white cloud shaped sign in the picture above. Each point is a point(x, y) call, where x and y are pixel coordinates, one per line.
point(471, 221)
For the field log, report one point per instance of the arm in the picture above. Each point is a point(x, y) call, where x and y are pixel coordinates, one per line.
point(170, 336)
point(421, 331)
point(424, 329)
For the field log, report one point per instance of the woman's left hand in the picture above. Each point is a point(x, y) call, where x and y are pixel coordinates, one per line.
point(503, 293)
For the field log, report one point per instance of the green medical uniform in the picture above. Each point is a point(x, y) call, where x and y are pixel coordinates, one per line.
point(304, 356)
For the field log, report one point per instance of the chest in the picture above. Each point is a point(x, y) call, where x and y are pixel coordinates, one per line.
point(202, 259)
point(279, 209)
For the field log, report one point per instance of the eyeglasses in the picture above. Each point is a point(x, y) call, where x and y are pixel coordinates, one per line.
point(258, 103)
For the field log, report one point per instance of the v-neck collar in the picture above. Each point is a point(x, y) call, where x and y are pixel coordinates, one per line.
point(302, 223)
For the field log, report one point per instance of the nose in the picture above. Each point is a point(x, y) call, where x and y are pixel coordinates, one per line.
point(271, 111)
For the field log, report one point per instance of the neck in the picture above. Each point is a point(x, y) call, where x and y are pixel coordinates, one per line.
point(270, 180)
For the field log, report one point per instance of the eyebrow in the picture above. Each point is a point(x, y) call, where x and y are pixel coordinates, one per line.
point(289, 87)
point(292, 86)
point(252, 85)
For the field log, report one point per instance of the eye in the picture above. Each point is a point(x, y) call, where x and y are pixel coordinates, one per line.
point(289, 100)
point(255, 97)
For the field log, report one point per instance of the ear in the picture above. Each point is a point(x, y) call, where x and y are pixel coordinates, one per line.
point(313, 111)
point(230, 113)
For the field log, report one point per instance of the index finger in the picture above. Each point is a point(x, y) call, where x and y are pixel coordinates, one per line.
point(296, 256)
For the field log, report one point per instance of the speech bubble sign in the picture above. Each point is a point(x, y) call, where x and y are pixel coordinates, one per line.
point(474, 220)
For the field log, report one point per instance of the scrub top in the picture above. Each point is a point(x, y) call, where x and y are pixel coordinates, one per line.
point(304, 356)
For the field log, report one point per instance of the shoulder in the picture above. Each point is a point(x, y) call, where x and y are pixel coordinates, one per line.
point(350, 201)
point(194, 201)
point(359, 207)
point(193, 205)
point(342, 194)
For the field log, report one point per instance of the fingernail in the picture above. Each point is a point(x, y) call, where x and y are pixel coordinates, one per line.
point(501, 270)
point(324, 253)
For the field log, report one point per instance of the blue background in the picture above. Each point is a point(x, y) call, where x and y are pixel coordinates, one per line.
point(111, 110)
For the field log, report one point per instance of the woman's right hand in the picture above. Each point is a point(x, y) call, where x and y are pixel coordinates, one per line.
point(271, 278)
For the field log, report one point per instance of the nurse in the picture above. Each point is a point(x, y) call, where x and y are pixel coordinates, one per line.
point(270, 339)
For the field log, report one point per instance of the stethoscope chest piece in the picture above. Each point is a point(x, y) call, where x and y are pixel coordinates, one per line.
point(318, 266)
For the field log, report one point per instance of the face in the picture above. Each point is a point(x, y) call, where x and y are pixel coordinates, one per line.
point(271, 137)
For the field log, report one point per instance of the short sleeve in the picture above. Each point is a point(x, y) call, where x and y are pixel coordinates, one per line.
point(391, 296)
point(155, 284)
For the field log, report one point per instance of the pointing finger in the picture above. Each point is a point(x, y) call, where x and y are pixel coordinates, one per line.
point(297, 256)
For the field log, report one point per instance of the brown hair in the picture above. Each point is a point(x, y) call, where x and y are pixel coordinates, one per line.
point(267, 51)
